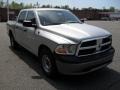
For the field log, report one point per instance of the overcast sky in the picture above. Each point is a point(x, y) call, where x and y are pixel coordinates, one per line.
point(76, 3)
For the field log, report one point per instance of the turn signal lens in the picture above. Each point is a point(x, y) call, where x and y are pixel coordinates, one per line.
point(66, 49)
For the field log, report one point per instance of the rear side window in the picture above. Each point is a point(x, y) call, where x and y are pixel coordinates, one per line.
point(21, 17)
point(31, 17)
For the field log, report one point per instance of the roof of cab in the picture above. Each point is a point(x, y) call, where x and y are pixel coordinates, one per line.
point(38, 9)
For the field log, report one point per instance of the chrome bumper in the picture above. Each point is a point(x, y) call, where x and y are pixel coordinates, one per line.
point(88, 64)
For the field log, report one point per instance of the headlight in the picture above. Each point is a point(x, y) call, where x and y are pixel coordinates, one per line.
point(66, 49)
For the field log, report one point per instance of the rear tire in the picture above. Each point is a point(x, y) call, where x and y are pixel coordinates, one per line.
point(48, 64)
point(13, 43)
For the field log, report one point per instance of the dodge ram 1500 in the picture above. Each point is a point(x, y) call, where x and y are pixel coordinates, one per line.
point(62, 42)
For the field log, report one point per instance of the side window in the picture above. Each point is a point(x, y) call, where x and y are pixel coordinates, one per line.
point(31, 17)
point(21, 17)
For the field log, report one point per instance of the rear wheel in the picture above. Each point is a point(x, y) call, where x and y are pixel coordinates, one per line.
point(13, 43)
point(48, 63)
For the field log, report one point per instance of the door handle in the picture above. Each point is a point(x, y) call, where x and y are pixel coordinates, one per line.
point(25, 30)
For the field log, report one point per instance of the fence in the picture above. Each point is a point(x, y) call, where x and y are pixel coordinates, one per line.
point(3, 14)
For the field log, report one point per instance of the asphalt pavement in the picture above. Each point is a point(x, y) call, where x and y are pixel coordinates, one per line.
point(20, 70)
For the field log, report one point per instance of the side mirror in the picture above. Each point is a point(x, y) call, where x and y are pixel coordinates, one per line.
point(82, 20)
point(27, 23)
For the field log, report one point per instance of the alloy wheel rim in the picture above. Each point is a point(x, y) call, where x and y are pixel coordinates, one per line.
point(46, 63)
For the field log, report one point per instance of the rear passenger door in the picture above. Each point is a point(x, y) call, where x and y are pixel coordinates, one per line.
point(19, 32)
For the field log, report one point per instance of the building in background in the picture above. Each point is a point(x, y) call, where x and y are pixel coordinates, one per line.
point(82, 14)
point(87, 14)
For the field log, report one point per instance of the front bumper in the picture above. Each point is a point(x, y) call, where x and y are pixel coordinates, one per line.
point(73, 65)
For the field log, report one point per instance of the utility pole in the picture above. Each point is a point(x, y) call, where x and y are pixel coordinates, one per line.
point(8, 10)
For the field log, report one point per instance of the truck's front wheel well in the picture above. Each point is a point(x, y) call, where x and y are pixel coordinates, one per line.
point(43, 47)
point(47, 61)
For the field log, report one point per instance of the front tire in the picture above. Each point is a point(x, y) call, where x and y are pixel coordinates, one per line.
point(48, 64)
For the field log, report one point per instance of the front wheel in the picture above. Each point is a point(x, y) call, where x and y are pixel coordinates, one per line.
point(48, 63)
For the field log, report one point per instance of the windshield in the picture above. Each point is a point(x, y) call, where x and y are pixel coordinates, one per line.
point(55, 17)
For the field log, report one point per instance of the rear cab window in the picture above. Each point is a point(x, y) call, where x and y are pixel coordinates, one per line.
point(22, 16)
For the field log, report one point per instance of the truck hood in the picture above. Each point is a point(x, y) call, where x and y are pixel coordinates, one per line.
point(76, 32)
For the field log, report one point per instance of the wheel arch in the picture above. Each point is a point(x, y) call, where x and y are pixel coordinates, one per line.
point(41, 47)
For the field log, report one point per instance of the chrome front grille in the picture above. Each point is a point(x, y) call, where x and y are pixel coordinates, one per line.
point(106, 39)
point(89, 43)
point(92, 46)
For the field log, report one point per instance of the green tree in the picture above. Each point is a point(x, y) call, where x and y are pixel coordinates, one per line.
point(56, 6)
point(112, 9)
point(15, 5)
point(76, 9)
point(105, 10)
point(65, 7)
point(21, 5)
point(1, 3)
point(28, 5)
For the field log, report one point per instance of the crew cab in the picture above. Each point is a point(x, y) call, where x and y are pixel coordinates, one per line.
point(63, 43)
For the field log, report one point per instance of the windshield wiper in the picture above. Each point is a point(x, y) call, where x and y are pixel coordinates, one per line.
point(62, 23)
point(71, 22)
point(53, 24)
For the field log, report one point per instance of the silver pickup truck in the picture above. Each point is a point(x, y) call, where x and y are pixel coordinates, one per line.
point(63, 43)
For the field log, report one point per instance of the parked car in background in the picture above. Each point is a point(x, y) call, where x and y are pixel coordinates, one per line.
point(105, 18)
